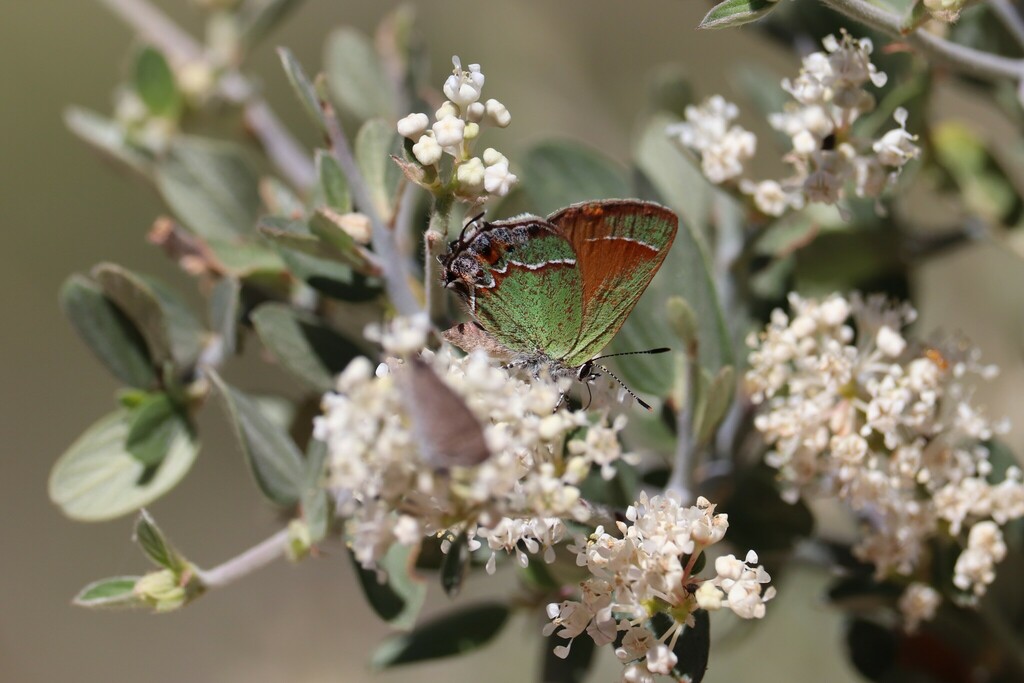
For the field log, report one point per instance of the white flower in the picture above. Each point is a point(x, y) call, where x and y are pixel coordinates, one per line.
point(648, 565)
point(498, 180)
point(897, 147)
point(723, 148)
point(498, 113)
point(463, 87)
point(661, 659)
point(449, 131)
point(770, 198)
point(413, 125)
point(885, 424)
point(890, 342)
point(918, 603)
point(470, 175)
point(427, 151)
point(515, 501)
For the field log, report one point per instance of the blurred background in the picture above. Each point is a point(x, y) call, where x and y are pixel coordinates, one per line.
point(576, 67)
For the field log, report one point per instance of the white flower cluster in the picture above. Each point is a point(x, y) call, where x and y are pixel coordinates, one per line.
point(830, 96)
point(723, 148)
point(516, 499)
point(886, 424)
point(456, 126)
point(648, 568)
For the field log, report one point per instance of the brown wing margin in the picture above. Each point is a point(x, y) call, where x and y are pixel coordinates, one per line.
point(619, 245)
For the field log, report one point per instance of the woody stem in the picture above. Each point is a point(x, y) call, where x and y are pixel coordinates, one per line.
point(434, 241)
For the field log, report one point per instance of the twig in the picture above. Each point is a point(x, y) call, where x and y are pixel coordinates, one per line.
point(254, 558)
point(433, 244)
point(157, 29)
point(681, 480)
point(1010, 17)
point(959, 57)
point(396, 275)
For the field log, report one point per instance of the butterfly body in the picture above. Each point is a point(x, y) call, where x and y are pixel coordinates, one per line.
point(550, 293)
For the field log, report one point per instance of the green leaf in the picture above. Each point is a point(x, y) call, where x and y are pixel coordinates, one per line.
point(107, 332)
point(715, 404)
point(737, 12)
point(309, 259)
point(333, 184)
point(397, 601)
point(376, 141)
point(693, 648)
point(571, 669)
point(674, 177)
point(455, 633)
point(316, 505)
point(312, 351)
point(111, 593)
point(329, 227)
point(355, 76)
point(210, 186)
point(759, 518)
point(108, 137)
point(172, 333)
point(246, 259)
point(155, 426)
point(272, 456)
point(559, 173)
point(280, 200)
point(97, 478)
point(455, 565)
point(257, 18)
point(303, 87)
point(225, 302)
point(156, 546)
point(154, 82)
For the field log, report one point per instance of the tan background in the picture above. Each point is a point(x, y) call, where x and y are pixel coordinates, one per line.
point(573, 66)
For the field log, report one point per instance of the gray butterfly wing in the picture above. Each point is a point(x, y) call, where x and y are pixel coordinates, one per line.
point(447, 432)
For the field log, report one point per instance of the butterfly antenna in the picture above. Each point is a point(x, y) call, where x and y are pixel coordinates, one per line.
point(648, 352)
point(622, 384)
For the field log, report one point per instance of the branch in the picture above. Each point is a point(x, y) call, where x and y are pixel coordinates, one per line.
point(681, 480)
point(1010, 17)
point(958, 57)
point(434, 241)
point(156, 28)
point(254, 558)
point(396, 276)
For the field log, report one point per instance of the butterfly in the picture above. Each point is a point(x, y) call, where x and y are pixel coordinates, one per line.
point(552, 292)
point(446, 430)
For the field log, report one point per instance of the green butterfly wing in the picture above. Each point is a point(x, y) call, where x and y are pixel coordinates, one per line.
point(531, 300)
point(619, 246)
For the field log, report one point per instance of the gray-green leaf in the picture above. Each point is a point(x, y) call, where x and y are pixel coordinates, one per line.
point(210, 186)
point(111, 593)
point(356, 78)
point(455, 633)
point(559, 173)
point(106, 136)
point(737, 12)
point(376, 141)
point(107, 332)
point(397, 601)
point(154, 82)
point(155, 426)
point(303, 87)
point(312, 351)
point(172, 333)
point(333, 185)
point(156, 546)
point(97, 478)
point(272, 456)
